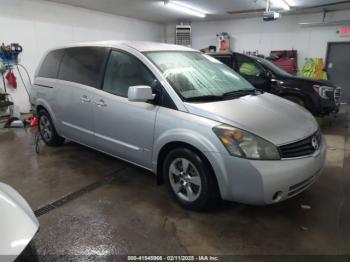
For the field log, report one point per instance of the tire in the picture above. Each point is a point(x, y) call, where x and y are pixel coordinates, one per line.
point(296, 100)
point(47, 130)
point(195, 188)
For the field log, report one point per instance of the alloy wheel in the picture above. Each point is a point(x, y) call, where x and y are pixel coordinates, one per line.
point(185, 179)
point(45, 128)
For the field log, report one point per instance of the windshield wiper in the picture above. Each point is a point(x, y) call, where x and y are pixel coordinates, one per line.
point(207, 98)
point(240, 93)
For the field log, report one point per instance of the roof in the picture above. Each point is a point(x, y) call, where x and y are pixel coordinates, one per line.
point(138, 45)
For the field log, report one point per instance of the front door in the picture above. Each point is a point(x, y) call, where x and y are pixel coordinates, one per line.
point(337, 67)
point(122, 128)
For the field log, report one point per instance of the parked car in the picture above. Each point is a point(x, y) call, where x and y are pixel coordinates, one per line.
point(18, 225)
point(320, 97)
point(198, 125)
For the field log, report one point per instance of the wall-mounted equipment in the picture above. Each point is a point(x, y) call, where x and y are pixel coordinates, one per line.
point(9, 53)
point(8, 58)
point(183, 35)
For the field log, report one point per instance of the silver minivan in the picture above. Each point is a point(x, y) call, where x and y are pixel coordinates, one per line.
point(195, 123)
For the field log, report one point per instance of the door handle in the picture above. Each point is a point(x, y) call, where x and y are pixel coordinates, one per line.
point(85, 99)
point(101, 103)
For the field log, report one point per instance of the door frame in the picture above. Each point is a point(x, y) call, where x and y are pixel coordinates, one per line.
point(329, 44)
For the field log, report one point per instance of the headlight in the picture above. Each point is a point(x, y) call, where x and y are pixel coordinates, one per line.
point(326, 92)
point(246, 145)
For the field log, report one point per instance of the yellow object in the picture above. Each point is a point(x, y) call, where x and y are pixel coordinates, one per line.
point(313, 68)
point(249, 69)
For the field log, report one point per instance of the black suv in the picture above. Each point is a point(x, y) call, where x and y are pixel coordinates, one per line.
point(319, 97)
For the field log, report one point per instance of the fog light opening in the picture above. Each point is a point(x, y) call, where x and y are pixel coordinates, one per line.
point(277, 196)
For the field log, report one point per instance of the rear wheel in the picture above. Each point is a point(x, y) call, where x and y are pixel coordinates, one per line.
point(47, 130)
point(190, 180)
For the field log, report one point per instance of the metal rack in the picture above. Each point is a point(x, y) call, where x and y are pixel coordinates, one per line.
point(8, 58)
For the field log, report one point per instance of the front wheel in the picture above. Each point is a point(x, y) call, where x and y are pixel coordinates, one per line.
point(190, 180)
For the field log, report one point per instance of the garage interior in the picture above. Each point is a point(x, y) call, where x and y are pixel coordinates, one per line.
point(92, 206)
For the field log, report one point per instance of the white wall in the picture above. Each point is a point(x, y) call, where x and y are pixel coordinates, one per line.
point(40, 25)
point(253, 34)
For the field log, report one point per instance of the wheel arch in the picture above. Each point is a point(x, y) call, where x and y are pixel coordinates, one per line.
point(164, 151)
point(43, 105)
point(40, 107)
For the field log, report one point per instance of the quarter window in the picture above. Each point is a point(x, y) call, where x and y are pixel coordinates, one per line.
point(123, 71)
point(51, 63)
point(83, 65)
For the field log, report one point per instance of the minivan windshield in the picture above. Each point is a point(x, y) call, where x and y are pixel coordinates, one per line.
point(275, 69)
point(197, 77)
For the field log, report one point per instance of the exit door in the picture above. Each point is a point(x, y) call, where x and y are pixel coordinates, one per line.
point(337, 66)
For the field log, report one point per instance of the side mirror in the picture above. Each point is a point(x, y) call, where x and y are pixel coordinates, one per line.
point(140, 94)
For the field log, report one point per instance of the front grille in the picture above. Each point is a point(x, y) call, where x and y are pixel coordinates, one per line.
point(303, 147)
point(337, 95)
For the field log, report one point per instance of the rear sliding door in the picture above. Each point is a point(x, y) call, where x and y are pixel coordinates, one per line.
point(79, 75)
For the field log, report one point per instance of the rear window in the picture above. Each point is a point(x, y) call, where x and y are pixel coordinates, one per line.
point(83, 65)
point(51, 63)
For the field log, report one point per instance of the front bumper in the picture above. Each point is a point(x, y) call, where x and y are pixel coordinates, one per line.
point(328, 107)
point(265, 182)
point(332, 104)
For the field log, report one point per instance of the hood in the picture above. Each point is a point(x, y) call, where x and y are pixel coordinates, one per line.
point(268, 116)
point(18, 223)
point(310, 81)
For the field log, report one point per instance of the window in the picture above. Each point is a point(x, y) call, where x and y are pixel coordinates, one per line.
point(226, 59)
point(51, 63)
point(194, 75)
point(83, 65)
point(274, 68)
point(123, 71)
point(247, 67)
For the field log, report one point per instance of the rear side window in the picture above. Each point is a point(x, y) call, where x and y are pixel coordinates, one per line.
point(83, 65)
point(51, 64)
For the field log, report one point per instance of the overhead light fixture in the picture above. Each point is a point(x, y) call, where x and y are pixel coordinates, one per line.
point(281, 3)
point(184, 8)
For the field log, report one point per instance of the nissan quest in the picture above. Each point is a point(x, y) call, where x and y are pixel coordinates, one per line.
point(199, 126)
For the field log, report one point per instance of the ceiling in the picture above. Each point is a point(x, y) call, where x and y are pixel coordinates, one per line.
point(154, 10)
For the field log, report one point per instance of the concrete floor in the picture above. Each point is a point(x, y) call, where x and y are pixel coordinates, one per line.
point(129, 214)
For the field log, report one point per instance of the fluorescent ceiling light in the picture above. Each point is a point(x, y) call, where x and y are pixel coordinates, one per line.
point(281, 3)
point(184, 8)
